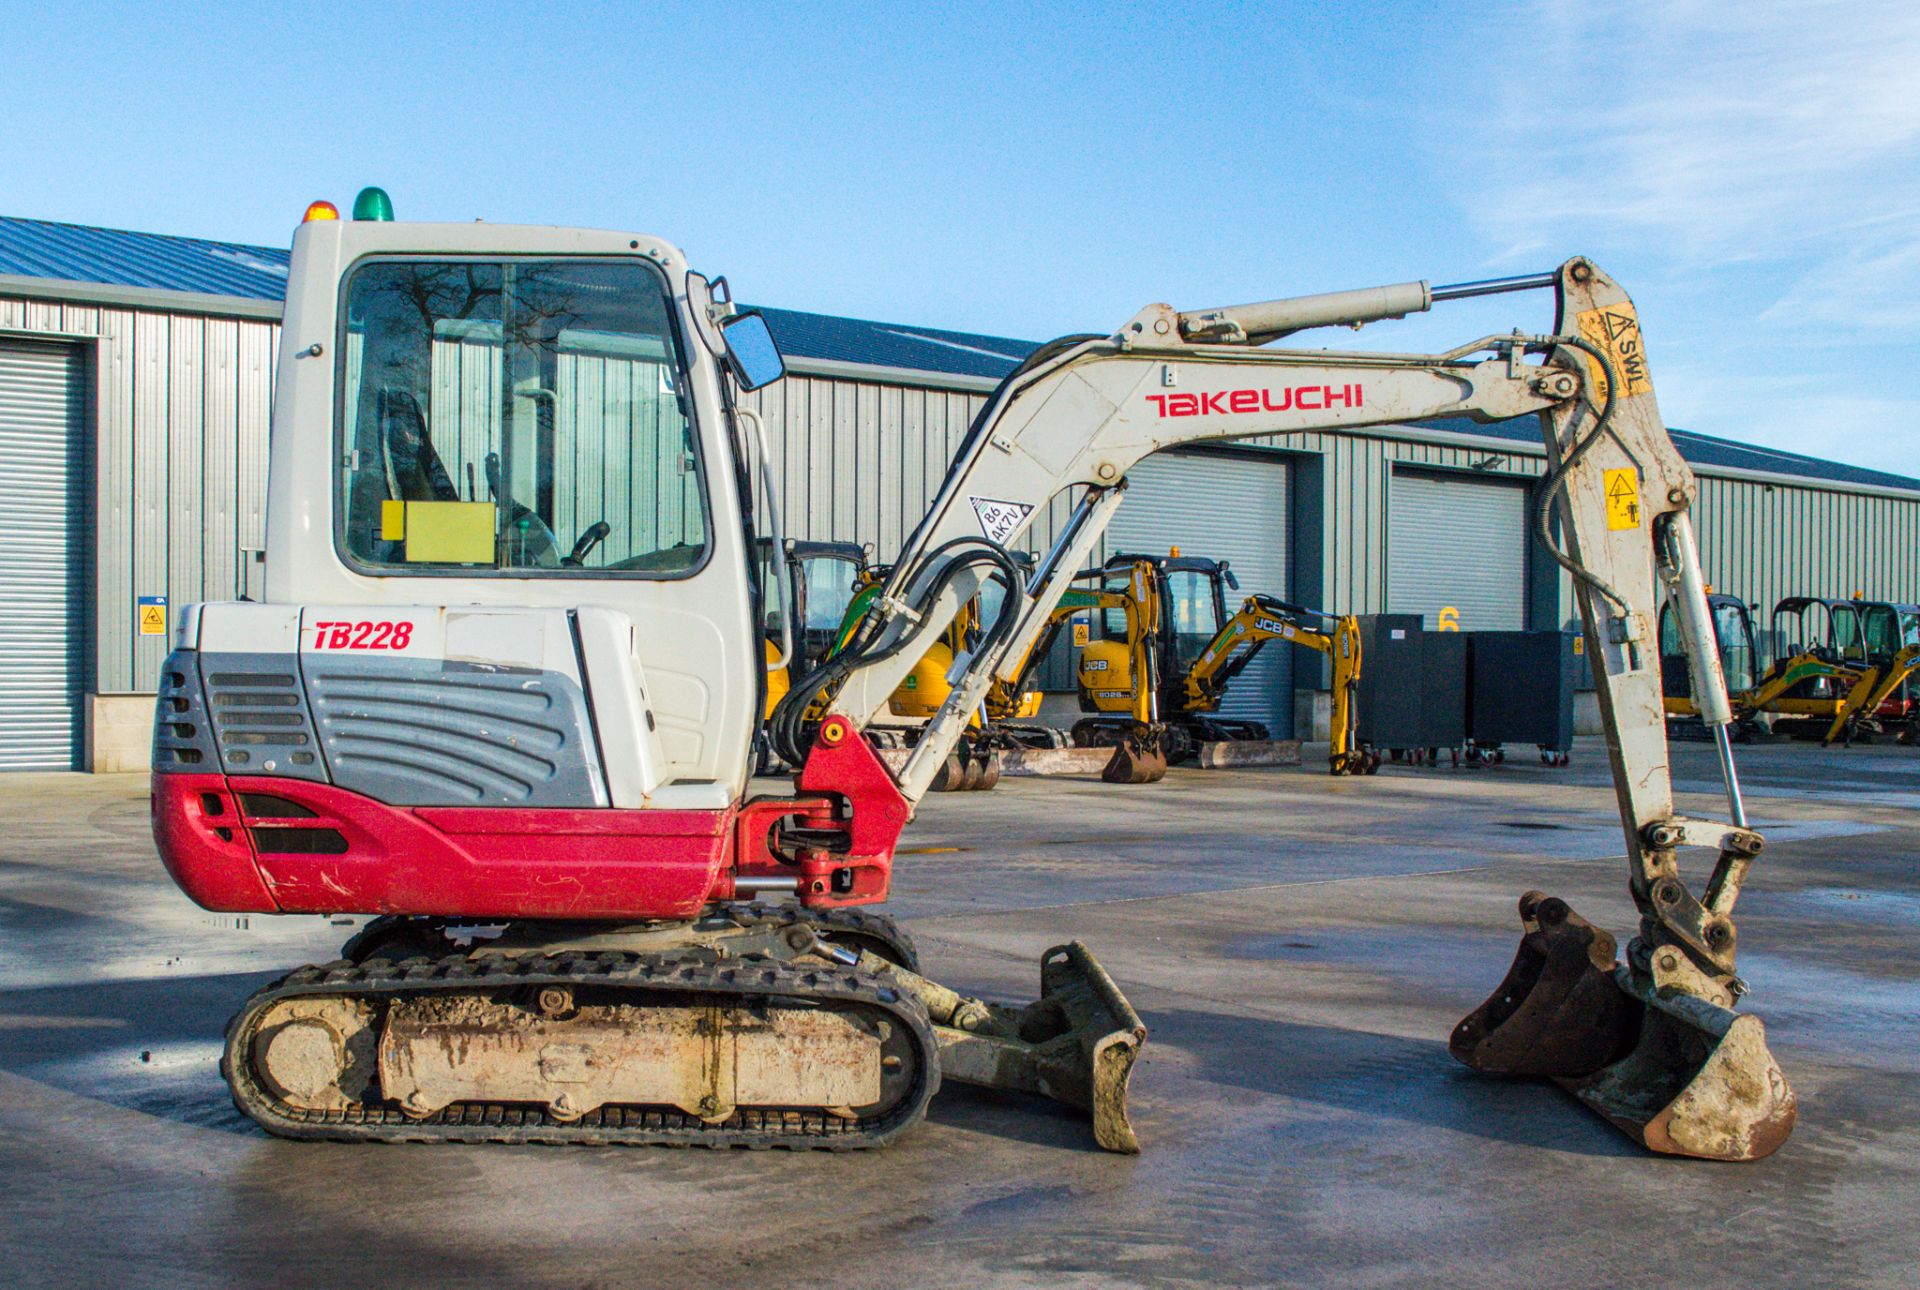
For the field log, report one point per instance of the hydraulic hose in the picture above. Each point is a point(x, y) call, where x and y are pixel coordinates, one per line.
point(786, 729)
point(1557, 480)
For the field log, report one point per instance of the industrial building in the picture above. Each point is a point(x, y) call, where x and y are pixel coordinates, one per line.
point(136, 375)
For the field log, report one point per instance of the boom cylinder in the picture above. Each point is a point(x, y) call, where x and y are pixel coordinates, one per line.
point(1271, 319)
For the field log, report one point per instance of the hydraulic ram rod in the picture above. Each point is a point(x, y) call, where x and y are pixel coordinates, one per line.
point(1271, 319)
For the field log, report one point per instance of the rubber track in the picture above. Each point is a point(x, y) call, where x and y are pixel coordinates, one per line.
point(609, 1125)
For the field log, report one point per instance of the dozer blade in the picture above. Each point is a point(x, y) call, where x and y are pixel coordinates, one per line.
point(1679, 1074)
point(1137, 759)
point(1076, 1044)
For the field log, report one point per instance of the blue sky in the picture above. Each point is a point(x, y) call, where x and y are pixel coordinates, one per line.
point(1751, 172)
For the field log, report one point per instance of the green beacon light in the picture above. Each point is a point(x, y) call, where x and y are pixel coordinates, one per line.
point(373, 203)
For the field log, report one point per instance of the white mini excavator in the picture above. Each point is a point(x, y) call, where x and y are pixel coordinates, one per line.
point(503, 685)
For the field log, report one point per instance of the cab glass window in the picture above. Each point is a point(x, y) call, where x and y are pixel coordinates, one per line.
point(1193, 610)
point(829, 582)
point(1736, 647)
point(522, 416)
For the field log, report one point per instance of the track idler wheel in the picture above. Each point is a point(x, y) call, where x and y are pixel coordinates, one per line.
point(1681, 1074)
point(1139, 758)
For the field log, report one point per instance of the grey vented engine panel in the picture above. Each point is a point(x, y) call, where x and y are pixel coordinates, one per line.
point(407, 732)
point(421, 732)
point(182, 731)
point(259, 715)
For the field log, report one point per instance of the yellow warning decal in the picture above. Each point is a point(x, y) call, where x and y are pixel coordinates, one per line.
point(1080, 634)
point(151, 615)
point(1616, 330)
point(1623, 498)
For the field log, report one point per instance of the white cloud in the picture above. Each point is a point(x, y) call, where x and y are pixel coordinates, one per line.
point(1755, 168)
point(1731, 133)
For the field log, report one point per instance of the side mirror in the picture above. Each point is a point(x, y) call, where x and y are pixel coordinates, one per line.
point(1228, 575)
point(752, 356)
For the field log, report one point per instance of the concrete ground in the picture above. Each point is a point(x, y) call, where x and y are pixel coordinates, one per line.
point(1299, 946)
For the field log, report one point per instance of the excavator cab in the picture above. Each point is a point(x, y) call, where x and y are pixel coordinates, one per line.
point(823, 577)
point(1831, 630)
point(805, 593)
point(1193, 596)
point(1891, 635)
point(1739, 648)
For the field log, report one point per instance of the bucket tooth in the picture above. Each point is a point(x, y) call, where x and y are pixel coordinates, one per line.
point(1677, 1073)
point(1076, 1044)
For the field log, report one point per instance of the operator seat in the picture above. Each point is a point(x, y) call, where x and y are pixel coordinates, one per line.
point(414, 470)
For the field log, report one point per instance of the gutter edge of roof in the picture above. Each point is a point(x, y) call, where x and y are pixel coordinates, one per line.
point(158, 299)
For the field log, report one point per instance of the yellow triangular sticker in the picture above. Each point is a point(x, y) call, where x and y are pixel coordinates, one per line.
point(1623, 498)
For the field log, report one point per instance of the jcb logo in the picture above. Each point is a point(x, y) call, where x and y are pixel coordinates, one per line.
point(1275, 626)
point(1094, 665)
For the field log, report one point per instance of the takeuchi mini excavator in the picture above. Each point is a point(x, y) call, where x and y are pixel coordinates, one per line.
point(532, 761)
point(1190, 656)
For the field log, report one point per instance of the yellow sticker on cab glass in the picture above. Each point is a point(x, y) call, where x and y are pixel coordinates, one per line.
point(1616, 330)
point(1623, 498)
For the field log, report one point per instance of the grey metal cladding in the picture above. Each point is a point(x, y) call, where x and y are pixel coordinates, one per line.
point(423, 732)
point(259, 715)
point(182, 734)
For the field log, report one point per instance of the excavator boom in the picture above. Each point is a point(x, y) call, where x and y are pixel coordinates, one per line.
point(1666, 1057)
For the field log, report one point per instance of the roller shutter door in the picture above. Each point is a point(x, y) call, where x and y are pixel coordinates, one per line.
point(1225, 506)
point(1455, 542)
point(42, 641)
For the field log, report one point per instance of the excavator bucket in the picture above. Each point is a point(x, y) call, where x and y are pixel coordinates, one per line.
point(1679, 1074)
point(1076, 1044)
point(1558, 1012)
point(1139, 758)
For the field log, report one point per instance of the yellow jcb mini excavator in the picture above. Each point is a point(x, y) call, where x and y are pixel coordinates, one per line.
point(1193, 651)
point(1261, 619)
point(1004, 720)
point(1892, 634)
point(533, 763)
point(1841, 662)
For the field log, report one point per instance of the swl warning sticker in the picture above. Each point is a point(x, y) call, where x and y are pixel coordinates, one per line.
point(997, 519)
point(1623, 498)
point(1616, 330)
